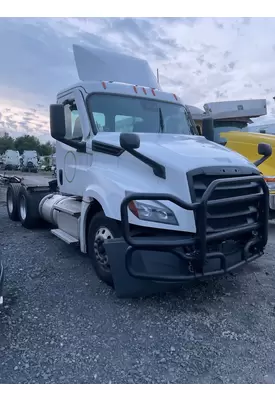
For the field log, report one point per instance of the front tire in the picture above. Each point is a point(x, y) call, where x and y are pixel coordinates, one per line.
point(100, 229)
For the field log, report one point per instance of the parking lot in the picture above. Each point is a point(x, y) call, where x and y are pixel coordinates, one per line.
point(60, 324)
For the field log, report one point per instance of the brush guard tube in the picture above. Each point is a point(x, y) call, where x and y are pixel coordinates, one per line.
point(143, 266)
point(202, 238)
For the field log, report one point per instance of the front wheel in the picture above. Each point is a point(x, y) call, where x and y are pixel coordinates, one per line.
point(101, 229)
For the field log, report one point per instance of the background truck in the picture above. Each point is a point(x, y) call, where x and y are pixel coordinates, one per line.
point(154, 206)
point(45, 163)
point(232, 121)
point(29, 161)
point(11, 160)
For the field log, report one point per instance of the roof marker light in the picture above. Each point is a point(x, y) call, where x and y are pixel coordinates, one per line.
point(144, 90)
point(153, 91)
point(175, 96)
point(104, 85)
point(135, 89)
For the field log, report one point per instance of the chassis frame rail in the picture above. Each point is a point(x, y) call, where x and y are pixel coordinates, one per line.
point(201, 238)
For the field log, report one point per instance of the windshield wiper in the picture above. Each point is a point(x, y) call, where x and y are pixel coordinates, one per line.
point(161, 123)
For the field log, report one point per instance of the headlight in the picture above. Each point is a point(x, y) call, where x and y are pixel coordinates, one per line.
point(270, 181)
point(152, 211)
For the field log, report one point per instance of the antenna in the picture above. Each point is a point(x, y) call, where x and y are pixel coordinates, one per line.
point(158, 75)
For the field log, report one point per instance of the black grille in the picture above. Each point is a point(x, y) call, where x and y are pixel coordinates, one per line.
point(222, 217)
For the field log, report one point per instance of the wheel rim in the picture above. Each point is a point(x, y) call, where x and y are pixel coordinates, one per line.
point(10, 202)
point(101, 236)
point(23, 208)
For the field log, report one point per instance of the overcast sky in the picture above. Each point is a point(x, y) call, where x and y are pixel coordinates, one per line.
point(201, 59)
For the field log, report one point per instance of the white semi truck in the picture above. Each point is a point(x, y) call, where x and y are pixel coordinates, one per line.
point(11, 160)
point(154, 206)
point(29, 161)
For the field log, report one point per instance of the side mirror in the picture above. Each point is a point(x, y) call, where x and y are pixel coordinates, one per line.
point(222, 141)
point(265, 150)
point(129, 141)
point(57, 121)
point(209, 133)
point(58, 128)
point(198, 129)
point(208, 129)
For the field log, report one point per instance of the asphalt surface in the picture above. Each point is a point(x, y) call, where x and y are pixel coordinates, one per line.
point(59, 324)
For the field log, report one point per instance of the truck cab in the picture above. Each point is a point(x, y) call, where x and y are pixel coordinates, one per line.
point(150, 200)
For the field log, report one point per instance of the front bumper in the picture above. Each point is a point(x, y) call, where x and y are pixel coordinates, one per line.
point(143, 265)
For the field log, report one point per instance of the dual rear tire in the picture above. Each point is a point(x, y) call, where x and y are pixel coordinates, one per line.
point(12, 200)
point(23, 205)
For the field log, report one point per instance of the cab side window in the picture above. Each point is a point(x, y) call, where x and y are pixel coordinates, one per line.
point(100, 121)
point(72, 122)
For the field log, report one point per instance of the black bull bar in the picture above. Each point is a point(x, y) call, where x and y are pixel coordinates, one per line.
point(131, 277)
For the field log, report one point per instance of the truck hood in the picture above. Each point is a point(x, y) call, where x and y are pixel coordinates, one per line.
point(184, 152)
point(189, 151)
point(192, 151)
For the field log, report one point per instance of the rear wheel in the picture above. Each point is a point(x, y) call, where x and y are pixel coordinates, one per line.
point(12, 200)
point(100, 230)
point(28, 208)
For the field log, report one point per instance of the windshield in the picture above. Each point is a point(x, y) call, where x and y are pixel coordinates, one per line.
point(227, 126)
point(117, 113)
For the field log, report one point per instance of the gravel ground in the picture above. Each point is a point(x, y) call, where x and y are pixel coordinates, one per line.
point(61, 325)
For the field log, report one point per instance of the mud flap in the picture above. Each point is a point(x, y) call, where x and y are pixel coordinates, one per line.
point(127, 286)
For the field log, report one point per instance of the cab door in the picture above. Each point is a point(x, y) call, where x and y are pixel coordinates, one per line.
point(72, 165)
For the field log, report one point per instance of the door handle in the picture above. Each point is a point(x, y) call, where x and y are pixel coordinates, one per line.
point(60, 175)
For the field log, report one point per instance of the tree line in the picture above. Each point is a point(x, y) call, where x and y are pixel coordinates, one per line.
point(27, 142)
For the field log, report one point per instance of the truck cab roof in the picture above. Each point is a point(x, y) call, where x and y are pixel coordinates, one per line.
point(120, 88)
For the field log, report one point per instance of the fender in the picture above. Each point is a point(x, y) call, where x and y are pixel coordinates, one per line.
point(97, 193)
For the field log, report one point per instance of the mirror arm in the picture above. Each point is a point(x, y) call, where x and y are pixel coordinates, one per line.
point(260, 161)
point(158, 169)
point(79, 146)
